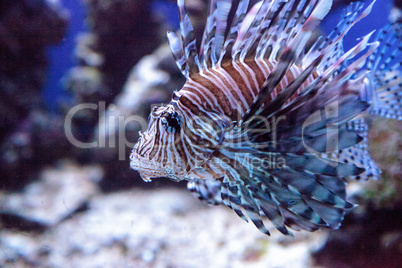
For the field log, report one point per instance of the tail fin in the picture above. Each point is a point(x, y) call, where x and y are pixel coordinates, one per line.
point(385, 79)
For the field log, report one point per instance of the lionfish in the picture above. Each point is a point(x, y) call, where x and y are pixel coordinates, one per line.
point(266, 124)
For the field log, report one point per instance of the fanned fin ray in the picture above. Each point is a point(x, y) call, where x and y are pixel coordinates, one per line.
point(358, 154)
point(308, 191)
point(385, 85)
point(207, 190)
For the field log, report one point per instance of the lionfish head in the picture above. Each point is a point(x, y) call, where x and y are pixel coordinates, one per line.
point(155, 155)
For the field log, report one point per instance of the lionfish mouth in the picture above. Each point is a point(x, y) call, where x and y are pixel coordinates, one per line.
point(146, 168)
point(149, 169)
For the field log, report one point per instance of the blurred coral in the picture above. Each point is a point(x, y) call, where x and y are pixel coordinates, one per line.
point(27, 28)
point(121, 32)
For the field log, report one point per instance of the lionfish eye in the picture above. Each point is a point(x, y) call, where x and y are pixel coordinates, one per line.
point(171, 122)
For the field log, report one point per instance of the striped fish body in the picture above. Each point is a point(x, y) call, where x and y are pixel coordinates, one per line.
point(231, 89)
point(264, 125)
point(226, 93)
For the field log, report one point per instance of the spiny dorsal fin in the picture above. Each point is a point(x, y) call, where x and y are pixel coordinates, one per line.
point(178, 53)
point(241, 12)
point(348, 19)
point(332, 88)
point(221, 24)
point(188, 40)
point(289, 56)
point(209, 33)
point(214, 32)
point(280, 29)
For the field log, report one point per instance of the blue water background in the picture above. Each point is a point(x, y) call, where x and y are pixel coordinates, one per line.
point(168, 11)
point(61, 57)
point(377, 19)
